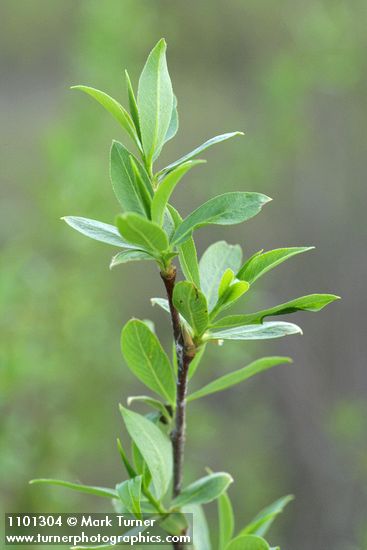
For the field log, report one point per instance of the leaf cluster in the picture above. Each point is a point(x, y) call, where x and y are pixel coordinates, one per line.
point(150, 228)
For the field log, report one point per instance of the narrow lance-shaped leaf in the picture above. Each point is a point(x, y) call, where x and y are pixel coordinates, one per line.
point(187, 253)
point(146, 358)
point(128, 191)
point(154, 446)
point(264, 331)
point(248, 542)
point(312, 302)
point(155, 101)
point(225, 520)
point(215, 260)
point(198, 150)
point(260, 263)
point(99, 231)
point(227, 209)
point(264, 519)
point(97, 491)
point(192, 305)
point(133, 106)
point(204, 490)
point(145, 189)
point(128, 467)
point(234, 378)
point(166, 188)
point(130, 256)
point(139, 463)
point(113, 107)
point(142, 233)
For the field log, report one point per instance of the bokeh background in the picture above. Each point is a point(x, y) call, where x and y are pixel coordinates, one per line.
point(292, 74)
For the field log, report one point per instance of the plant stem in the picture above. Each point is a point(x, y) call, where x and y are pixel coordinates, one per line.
point(185, 352)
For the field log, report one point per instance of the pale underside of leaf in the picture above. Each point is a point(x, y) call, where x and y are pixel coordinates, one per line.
point(130, 256)
point(99, 231)
point(256, 332)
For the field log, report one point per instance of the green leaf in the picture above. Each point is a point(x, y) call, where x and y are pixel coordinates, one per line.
point(229, 296)
point(113, 107)
point(264, 519)
point(215, 260)
point(128, 467)
point(198, 150)
point(248, 542)
point(143, 185)
point(260, 263)
point(140, 465)
point(142, 233)
point(97, 491)
point(133, 106)
point(227, 209)
point(155, 101)
point(98, 231)
point(234, 378)
point(173, 124)
point(132, 194)
point(204, 490)
point(129, 493)
point(166, 188)
point(187, 253)
point(154, 446)
point(256, 332)
point(154, 403)
point(146, 358)
point(225, 520)
point(130, 256)
point(199, 531)
point(161, 302)
point(192, 305)
point(225, 282)
point(312, 302)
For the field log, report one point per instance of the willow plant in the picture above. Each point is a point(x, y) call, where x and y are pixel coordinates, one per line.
point(151, 229)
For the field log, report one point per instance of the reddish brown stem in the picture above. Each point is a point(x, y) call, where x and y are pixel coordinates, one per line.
point(185, 353)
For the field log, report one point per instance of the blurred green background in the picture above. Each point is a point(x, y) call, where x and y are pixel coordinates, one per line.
point(291, 74)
